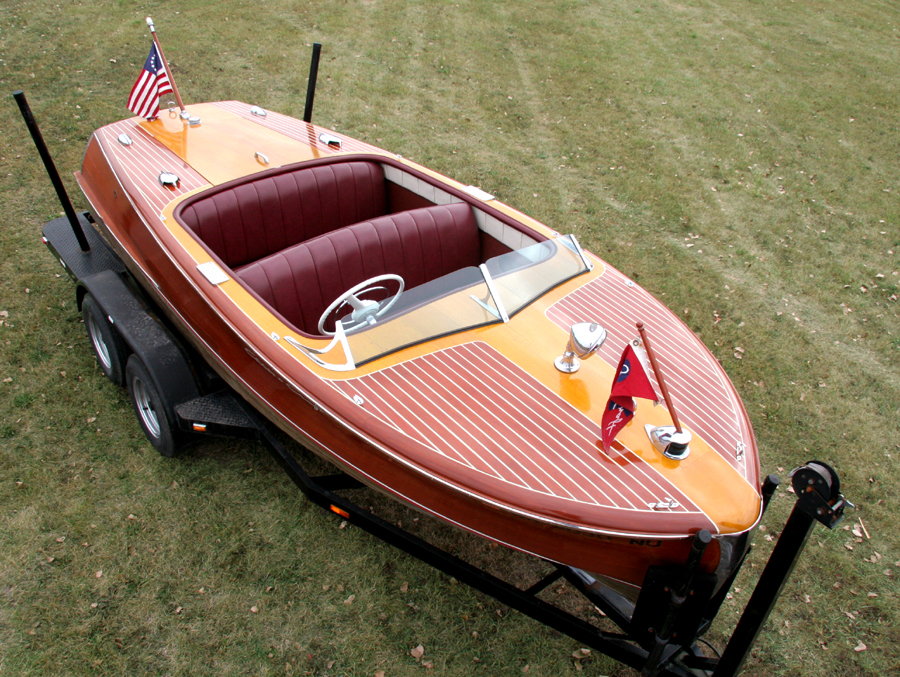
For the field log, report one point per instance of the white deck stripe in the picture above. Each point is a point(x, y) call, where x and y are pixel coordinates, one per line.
point(556, 447)
point(702, 395)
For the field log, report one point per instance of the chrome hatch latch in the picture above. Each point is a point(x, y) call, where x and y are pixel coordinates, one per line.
point(585, 339)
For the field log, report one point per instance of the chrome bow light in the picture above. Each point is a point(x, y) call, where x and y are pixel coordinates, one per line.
point(585, 339)
point(669, 441)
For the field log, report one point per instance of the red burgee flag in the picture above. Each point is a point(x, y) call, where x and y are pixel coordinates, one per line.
point(631, 381)
point(152, 83)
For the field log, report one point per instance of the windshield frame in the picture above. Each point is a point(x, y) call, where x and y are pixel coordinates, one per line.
point(480, 279)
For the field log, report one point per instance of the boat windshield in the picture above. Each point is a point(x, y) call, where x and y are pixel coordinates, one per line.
point(467, 298)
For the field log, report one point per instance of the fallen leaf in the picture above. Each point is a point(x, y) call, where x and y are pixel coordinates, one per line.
point(379, 673)
point(99, 574)
point(404, 587)
point(350, 599)
point(579, 655)
point(860, 647)
point(254, 610)
point(418, 652)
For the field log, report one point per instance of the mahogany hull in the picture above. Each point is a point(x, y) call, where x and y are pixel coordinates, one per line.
point(315, 412)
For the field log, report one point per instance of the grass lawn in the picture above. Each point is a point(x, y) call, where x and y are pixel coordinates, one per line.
point(737, 159)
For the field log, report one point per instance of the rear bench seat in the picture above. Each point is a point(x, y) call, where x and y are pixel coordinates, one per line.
point(242, 222)
point(420, 245)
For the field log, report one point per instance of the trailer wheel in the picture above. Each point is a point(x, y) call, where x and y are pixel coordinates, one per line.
point(151, 409)
point(108, 347)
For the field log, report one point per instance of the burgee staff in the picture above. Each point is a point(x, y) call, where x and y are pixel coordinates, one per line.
point(659, 376)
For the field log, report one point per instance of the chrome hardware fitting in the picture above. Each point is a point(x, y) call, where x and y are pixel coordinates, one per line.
point(260, 157)
point(256, 110)
point(330, 140)
point(666, 504)
point(359, 400)
point(211, 271)
point(740, 450)
point(168, 179)
point(669, 443)
point(124, 139)
point(274, 336)
point(585, 339)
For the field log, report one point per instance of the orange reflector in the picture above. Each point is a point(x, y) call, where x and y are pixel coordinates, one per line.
point(342, 513)
point(199, 427)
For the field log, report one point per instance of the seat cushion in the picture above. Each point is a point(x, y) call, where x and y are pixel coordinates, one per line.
point(420, 245)
point(247, 221)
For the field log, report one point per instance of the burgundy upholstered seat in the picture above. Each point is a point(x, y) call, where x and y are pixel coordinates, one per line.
point(420, 245)
point(247, 221)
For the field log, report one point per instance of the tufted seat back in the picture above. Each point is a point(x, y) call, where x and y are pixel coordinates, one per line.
point(248, 221)
point(420, 245)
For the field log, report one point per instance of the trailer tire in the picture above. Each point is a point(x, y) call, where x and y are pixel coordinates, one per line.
point(151, 409)
point(109, 348)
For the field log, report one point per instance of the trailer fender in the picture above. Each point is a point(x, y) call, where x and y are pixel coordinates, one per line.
point(145, 336)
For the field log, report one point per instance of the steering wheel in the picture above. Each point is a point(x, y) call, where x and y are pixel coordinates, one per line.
point(365, 311)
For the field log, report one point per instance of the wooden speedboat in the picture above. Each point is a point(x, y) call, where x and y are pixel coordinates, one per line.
point(406, 328)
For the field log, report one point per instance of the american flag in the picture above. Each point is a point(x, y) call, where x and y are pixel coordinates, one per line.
point(152, 83)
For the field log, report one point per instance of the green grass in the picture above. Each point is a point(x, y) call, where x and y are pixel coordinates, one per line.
point(763, 135)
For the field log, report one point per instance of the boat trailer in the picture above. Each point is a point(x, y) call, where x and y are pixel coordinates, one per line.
point(659, 635)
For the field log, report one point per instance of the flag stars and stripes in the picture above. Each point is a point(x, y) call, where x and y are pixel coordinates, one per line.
point(152, 83)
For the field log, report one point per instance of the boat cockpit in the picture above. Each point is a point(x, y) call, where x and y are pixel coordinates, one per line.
point(370, 249)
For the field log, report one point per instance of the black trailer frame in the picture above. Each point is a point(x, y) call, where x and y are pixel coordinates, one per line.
point(659, 635)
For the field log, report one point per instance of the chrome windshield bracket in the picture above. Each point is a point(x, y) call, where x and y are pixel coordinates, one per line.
point(573, 244)
point(491, 288)
point(311, 353)
point(485, 306)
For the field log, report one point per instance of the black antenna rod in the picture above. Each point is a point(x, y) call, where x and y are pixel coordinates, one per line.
point(311, 86)
point(55, 179)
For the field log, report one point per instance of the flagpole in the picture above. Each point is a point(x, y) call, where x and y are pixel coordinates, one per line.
point(166, 66)
point(659, 376)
